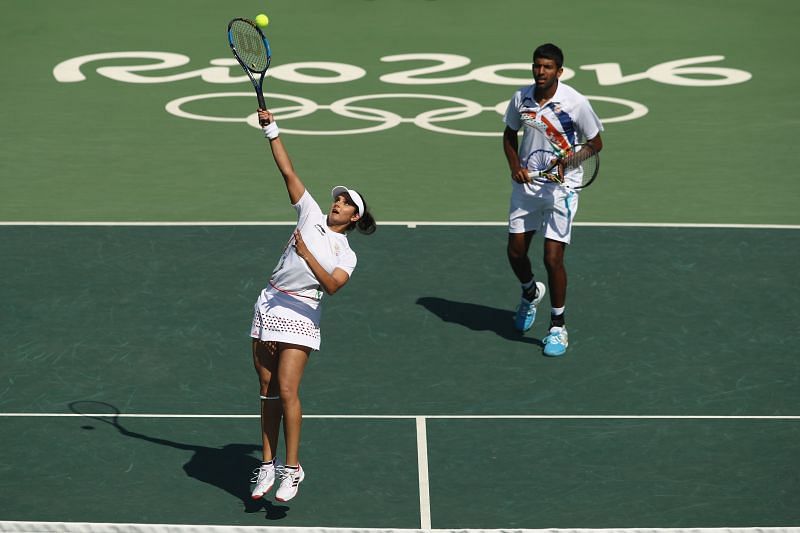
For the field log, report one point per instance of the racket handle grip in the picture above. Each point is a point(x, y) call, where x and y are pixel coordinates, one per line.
point(261, 104)
point(547, 177)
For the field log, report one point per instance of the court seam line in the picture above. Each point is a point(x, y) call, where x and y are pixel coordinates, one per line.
point(409, 224)
point(418, 417)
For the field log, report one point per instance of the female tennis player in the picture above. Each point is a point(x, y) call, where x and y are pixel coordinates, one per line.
point(286, 324)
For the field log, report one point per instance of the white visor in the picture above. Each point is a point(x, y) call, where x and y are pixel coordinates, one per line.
point(354, 196)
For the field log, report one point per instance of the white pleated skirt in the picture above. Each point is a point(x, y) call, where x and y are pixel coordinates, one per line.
point(281, 317)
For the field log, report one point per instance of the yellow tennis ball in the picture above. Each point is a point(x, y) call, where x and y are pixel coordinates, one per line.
point(262, 20)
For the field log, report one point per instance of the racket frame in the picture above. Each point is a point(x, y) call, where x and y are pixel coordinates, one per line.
point(555, 178)
point(257, 85)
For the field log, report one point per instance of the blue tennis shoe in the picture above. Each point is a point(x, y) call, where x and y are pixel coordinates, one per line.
point(555, 344)
point(526, 311)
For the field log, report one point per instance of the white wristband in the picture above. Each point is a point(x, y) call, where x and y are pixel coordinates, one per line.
point(271, 131)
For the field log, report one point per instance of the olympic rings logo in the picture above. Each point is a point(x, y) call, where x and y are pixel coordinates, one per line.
point(431, 120)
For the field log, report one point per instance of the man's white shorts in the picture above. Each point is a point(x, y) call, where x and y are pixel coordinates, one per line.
point(546, 208)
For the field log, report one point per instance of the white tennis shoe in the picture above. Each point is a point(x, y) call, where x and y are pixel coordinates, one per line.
point(290, 482)
point(264, 478)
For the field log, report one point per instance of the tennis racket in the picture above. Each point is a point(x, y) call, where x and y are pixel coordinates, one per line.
point(576, 169)
point(573, 167)
point(251, 49)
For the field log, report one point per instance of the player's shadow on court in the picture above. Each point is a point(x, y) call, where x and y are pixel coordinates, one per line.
point(227, 467)
point(477, 317)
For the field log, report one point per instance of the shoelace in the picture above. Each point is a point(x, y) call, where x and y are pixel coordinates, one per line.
point(259, 474)
point(555, 338)
point(287, 473)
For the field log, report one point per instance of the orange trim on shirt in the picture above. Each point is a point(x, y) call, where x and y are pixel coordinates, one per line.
point(555, 136)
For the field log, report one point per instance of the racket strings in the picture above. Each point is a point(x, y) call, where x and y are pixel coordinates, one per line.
point(587, 161)
point(575, 159)
point(249, 46)
point(589, 174)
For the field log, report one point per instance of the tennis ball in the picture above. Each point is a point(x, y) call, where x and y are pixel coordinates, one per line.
point(262, 20)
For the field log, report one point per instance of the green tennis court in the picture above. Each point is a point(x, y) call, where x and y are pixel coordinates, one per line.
point(140, 214)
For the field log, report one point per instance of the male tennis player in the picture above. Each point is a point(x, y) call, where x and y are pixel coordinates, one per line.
point(286, 321)
point(557, 116)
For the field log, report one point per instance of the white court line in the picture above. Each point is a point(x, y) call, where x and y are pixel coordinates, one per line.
point(435, 417)
point(409, 224)
point(424, 485)
point(91, 527)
